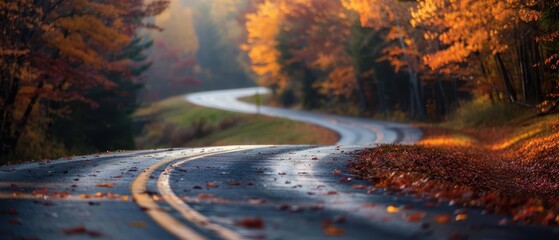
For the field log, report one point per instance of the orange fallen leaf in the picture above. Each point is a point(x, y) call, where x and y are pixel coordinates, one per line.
point(336, 172)
point(43, 191)
point(61, 195)
point(211, 184)
point(205, 197)
point(461, 217)
point(415, 217)
point(106, 184)
point(333, 231)
point(392, 209)
point(442, 218)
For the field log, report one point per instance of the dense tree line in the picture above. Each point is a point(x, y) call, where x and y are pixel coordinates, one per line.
point(422, 58)
point(69, 71)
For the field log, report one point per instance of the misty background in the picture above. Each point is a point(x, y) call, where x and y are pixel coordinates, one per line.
point(198, 49)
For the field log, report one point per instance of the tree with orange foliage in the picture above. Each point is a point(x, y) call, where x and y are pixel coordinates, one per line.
point(313, 39)
point(52, 51)
point(401, 50)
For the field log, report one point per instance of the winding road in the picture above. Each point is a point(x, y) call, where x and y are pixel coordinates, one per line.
point(352, 131)
point(232, 192)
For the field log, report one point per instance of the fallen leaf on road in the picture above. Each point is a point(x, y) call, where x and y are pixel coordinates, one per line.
point(257, 201)
point(336, 172)
point(334, 231)
point(249, 222)
point(442, 218)
point(392, 209)
point(461, 217)
point(283, 207)
point(345, 179)
point(75, 230)
point(61, 195)
point(234, 183)
point(415, 217)
point(106, 184)
point(138, 224)
point(314, 158)
point(359, 186)
point(211, 184)
point(43, 191)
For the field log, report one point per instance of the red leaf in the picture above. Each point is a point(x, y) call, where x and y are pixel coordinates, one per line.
point(249, 222)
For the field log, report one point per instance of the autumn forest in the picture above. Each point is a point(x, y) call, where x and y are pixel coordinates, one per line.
point(72, 72)
point(421, 58)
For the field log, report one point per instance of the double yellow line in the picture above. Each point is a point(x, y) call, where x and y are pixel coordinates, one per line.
point(166, 220)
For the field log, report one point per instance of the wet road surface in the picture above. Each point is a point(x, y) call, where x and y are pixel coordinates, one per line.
point(233, 192)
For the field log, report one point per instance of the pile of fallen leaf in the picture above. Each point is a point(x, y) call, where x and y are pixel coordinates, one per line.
point(521, 181)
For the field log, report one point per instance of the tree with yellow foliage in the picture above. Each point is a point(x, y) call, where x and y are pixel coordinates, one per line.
point(262, 26)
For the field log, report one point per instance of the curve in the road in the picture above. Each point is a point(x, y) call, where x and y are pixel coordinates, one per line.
point(352, 131)
point(298, 192)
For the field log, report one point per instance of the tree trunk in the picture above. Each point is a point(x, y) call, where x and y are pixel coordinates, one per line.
point(539, 72)
point(506, 78)
point(381, 100)
point(444, 100)
point(414, 80)
point(361, 94)
point(27, 114)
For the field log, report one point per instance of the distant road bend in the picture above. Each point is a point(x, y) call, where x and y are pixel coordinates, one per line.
point(352, 131)
point(230, 192)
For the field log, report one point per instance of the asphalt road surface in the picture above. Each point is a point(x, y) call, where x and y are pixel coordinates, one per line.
point(232, 192)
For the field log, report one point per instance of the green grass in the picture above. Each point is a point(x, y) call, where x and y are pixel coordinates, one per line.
point(484, 114)
point(177, 123)
point(182, 114)
point(265, 99)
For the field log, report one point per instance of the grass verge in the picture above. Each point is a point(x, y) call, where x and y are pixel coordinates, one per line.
point(176, 123)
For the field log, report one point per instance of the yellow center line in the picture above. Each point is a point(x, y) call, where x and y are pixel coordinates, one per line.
point(166, 220)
